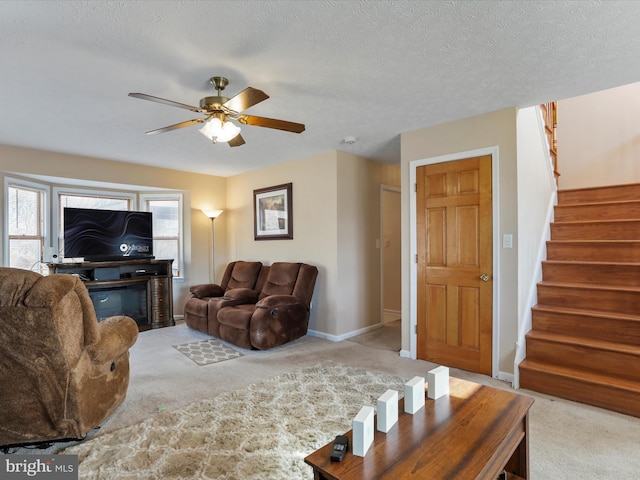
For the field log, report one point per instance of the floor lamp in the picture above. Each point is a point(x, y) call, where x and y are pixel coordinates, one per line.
point(212, 214)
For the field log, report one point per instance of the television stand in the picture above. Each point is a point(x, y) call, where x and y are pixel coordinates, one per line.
point(141, 289)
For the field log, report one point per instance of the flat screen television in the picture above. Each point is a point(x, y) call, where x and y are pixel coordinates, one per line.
point(103, 235)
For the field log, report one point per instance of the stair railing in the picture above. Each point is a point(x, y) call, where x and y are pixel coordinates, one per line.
point(550, 115)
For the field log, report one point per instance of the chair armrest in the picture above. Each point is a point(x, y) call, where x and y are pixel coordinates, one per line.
point(117, 336)
point(278, 319)
point(207, 290)
point(247, 295)
point(277, 301)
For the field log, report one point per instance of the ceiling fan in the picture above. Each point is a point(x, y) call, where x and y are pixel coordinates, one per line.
point(219, 110)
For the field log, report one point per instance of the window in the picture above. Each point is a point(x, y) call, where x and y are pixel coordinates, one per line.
point(26, 226)
point(32, 225)
point(167, 232)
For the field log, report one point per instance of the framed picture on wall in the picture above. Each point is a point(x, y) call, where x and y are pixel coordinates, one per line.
point(273, 213)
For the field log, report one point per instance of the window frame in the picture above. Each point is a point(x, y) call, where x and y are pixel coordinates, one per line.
point(45, 220)
point(170, 196)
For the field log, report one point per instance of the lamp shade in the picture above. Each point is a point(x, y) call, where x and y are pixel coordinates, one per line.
point(212, 213)
point(218, 131)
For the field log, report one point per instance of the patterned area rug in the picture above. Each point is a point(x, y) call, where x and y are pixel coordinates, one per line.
point(261, 432)
point(208, 351)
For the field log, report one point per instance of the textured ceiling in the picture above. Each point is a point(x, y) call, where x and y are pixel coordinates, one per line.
point(367, 69)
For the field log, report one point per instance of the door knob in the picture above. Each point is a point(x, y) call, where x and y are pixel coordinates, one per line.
point(484, 277)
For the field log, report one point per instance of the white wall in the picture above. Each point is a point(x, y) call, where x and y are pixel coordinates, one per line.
point(492, 129)
point(599, 138)
point(536, 197)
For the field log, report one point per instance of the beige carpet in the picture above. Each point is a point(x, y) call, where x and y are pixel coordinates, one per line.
point(386, 337)
point(260, 432)
point(568, 440)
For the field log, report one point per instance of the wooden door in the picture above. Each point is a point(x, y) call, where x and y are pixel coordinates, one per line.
point(455, 265)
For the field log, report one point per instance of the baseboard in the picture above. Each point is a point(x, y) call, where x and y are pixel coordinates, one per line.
point(391, 315)
point(405, 354)
point(506, 377)
point(344, 336)
point(326, 336)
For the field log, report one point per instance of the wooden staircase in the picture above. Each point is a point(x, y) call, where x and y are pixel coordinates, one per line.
point(585, 340)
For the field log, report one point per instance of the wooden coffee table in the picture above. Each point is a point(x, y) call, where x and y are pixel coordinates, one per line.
point(475, 432)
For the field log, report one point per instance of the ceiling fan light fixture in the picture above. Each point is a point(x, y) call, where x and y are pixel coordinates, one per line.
point(217, 130)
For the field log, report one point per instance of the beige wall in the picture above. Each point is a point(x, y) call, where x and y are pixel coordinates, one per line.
point(358, 256)
point(599, 138)
point(484, 131)
point(335, 227)
point(391, 246)
point(335, 213)
point(202, 191)
point(314, 192)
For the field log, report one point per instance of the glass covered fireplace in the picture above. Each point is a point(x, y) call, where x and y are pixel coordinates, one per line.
point(128, 299)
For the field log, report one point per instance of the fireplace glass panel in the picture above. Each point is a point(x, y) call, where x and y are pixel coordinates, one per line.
point(129, 300)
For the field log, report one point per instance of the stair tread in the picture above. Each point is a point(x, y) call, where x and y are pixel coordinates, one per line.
point(599, 203)
point(612, 220)
point(591, 262)
point(593, 242)
point(603, 193)
point(589, 286)
point(581, 341)
point(590, 313)
point(580, 374)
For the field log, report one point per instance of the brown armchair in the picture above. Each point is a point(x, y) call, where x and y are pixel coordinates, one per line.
point(62, 373)
point(238, 285)
point(281, 314)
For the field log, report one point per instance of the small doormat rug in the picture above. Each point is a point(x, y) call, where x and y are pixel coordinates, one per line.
point(206, 352)
point(260, 432)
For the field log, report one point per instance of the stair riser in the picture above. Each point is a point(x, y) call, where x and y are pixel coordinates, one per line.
point(612, 211)
point(620, 230)
point(604, 396)
point(620, 301)
point(600, 194)
point(582, 357)
point(595, 252)
point(618, 330)
point(621, 274)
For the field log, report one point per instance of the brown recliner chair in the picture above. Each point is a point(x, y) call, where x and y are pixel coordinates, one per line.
point(204, 301)
point(62, 373)
point(281, 314)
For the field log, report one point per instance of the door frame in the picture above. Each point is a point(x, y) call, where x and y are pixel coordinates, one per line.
point(413, 246)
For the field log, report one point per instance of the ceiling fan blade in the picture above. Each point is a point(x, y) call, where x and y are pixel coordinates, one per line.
point(246, 98)
point(171, 103)
point(236, 141)
point(271, 123)
point(188, 123)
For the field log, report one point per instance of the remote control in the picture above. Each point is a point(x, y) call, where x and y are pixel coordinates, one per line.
point(340, 447)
